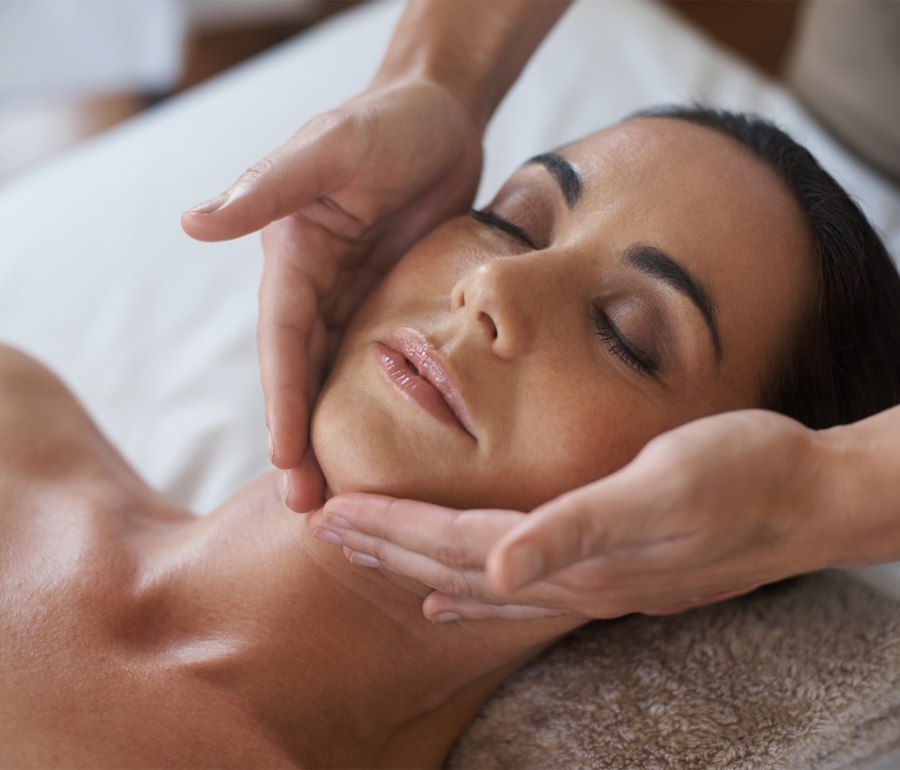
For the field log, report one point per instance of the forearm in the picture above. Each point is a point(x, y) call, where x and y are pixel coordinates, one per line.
point(860, 480)
point(475, 49)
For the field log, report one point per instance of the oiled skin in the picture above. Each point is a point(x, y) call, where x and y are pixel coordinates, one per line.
point(133, 634)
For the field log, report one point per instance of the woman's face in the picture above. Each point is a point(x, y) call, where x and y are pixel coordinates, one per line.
point(638, 279)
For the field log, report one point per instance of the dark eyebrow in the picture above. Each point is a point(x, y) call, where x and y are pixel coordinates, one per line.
point(659, 265)
point(564, 173)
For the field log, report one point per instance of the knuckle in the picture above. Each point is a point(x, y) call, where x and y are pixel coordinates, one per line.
point(259, 171)
point(451, 556)
point(457, 584)
point(345, 129)
point(378, 549)
point(327, 122)
point(257, 177)
point(394, 513)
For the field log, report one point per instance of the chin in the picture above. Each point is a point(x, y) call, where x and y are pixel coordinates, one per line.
point(363, 443)
point(359, 448)
point(348, 437)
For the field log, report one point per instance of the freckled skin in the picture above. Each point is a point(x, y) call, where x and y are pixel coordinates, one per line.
point(135, 634)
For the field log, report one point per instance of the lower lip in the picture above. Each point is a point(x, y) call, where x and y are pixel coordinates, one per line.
point(411, 386)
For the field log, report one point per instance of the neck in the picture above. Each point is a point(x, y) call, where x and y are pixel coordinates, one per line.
point(335, 661)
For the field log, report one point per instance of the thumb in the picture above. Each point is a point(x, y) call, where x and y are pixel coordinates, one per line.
point(304, 486)
point(299, 172)
point(587, 522)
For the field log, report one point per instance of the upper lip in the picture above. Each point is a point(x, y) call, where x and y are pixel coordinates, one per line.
point(421, 354)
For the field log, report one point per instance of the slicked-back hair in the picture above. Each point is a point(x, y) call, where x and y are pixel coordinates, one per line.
point(843, 362)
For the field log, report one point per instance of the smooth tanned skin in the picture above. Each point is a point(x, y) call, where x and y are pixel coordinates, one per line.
point(134, 634)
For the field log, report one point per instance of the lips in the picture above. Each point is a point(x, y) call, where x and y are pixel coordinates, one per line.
point(405, 360)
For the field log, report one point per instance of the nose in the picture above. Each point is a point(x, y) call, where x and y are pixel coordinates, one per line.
point(497, 300)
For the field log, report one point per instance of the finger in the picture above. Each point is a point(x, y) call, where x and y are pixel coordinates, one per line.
point(439, 607)
point(395, 558)
point(453, 538)
point(380, 554)
point(308, 166)
point(608, 515)
point(304, 485)
point(366, 551)
point(287, 316)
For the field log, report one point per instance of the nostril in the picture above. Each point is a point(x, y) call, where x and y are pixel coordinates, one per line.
point(489, 322)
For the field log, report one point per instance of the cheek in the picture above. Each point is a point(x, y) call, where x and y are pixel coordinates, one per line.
point(577, 436)
point(428, 272)
point(569, 419)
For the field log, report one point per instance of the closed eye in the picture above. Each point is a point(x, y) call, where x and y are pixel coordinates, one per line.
point(620, 346)
point(490, 218)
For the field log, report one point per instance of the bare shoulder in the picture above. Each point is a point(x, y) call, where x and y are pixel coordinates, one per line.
point(94, 668)
point(64, 494)
point(44, 431)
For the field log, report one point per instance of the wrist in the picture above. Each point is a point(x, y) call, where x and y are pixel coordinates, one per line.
point(473, 50)
point(856, 491)
point(418, 63)
point(827, 491)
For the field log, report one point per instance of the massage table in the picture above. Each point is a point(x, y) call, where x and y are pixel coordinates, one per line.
point(154, 333)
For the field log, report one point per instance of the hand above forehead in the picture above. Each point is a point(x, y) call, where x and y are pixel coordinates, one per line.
point(705, 512)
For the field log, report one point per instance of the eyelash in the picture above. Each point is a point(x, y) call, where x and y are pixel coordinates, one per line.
point(607, 330)
point(618, 345)
point(492, 220)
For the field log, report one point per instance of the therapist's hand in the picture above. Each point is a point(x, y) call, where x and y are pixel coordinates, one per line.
point(705, 512)
point(346, 196)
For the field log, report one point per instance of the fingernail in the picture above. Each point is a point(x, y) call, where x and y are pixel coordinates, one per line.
point(526, 564)
point(338, 521)
point(213, 204)
point(271, 447)
point(364, 560)
point(327, 536)
point(446, 617)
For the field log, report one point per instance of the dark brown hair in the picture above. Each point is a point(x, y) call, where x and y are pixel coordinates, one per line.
point(843, 363)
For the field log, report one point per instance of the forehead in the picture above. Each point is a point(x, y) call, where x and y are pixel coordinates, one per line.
point(692, 191)
point(715, 208)
point(681, 163)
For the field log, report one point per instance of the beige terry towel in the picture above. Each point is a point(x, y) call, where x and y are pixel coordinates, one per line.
point(802, 674)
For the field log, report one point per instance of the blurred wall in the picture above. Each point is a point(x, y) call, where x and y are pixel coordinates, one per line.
point(69, 69)
point(72, 68)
